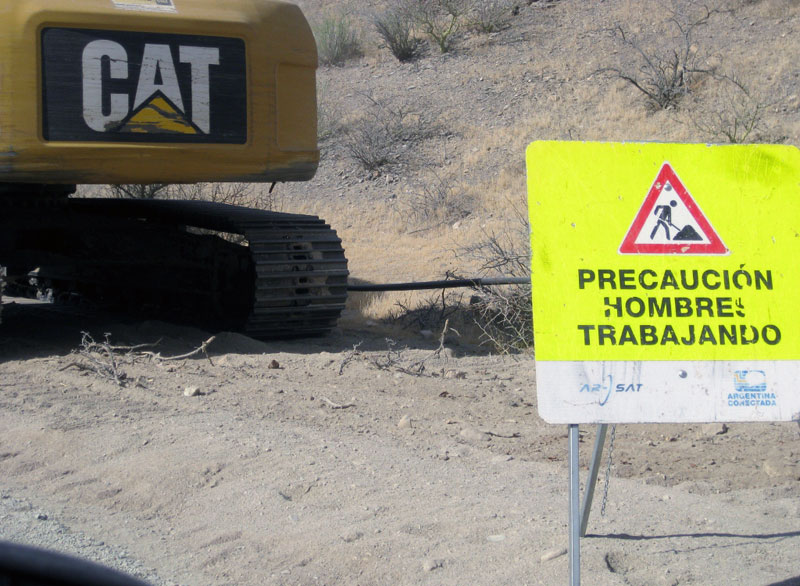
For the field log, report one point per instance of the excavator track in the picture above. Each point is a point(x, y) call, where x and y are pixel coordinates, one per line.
point(181, 260)
point(300, 271)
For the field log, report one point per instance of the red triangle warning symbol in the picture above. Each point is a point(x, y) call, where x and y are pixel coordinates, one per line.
point(671, 222)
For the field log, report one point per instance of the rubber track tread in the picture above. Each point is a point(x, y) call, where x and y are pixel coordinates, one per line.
point(300, 267)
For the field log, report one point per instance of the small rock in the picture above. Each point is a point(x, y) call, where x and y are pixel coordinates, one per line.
point(191, 391)
point(552, 554)
point(273, 364)
point(471, 434)
point(773, 468)
point(496, 538)
point(713, 429)
point(502, 458)
point(352, 536)
point(431, 565)
point(41, 517)
point(457, 374)
point(405, 422)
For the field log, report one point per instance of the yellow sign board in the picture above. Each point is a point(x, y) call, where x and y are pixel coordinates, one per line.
point(651, 252)
point(728, 292)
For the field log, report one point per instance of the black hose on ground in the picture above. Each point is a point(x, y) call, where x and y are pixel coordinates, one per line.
point(445, 284)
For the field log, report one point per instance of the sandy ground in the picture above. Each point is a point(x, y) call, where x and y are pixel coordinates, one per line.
point(339, 466)
point(404, 465)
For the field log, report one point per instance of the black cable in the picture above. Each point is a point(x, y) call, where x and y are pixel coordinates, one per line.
point(446, 284)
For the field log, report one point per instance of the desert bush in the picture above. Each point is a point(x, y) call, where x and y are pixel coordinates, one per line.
point(504, 313)
point(734, 113)
point(376, 138)
point(440, 20)
point(430, 312)
point(370, 142)
point(664, 77)
point(438, 200)
point(251, 195)
point(138, 191)
point(491, 15)
point(337, 40)
point(329, 118)
point(395, 29)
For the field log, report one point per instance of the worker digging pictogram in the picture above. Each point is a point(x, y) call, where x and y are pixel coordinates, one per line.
point(670, 222)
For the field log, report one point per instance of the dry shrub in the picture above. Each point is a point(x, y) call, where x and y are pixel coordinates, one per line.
point(489, 16)
point(337, 40)
point(504, 312)
point(733, 113)
point(438, 200)
point(664, 77)
point(395, 28)
point(329, 116)
point(383, 133)
point(252, 195)
point(428, 313)
point(440, 20)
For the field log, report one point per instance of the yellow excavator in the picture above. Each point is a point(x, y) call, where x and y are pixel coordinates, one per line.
point(158, 92)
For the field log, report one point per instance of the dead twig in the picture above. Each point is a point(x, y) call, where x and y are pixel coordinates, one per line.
point(350, 357)
point(102, 358)
point(333, 405)
point(203, 348)
point(512, 435)
point(394, 359)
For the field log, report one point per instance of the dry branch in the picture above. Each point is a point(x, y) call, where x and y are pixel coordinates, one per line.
point(103, 358)
point(333, 405)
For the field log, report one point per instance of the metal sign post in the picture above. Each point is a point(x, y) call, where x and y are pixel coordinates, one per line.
point(574, 509)
point(591, 481)
point(663, 286)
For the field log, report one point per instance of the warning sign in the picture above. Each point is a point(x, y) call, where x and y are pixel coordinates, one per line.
point(671, 222)
point(664, 281)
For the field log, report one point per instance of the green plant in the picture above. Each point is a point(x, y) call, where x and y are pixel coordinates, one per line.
point(440, 20)
point(395, 28)
point(337, 40)
point(490, 16)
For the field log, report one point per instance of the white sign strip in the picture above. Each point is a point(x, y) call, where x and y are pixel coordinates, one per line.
point(666, 391)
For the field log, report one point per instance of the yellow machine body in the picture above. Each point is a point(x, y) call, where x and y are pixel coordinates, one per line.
point(143, 91)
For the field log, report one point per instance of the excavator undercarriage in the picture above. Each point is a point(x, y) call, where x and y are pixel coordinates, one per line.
point(266, 273)
point(160, 92)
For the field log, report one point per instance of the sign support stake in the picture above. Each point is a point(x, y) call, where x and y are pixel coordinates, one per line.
point(591, 481)
point(574, 509)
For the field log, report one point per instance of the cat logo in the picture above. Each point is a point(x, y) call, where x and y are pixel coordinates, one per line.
point(158, 103)
point(137, 87)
